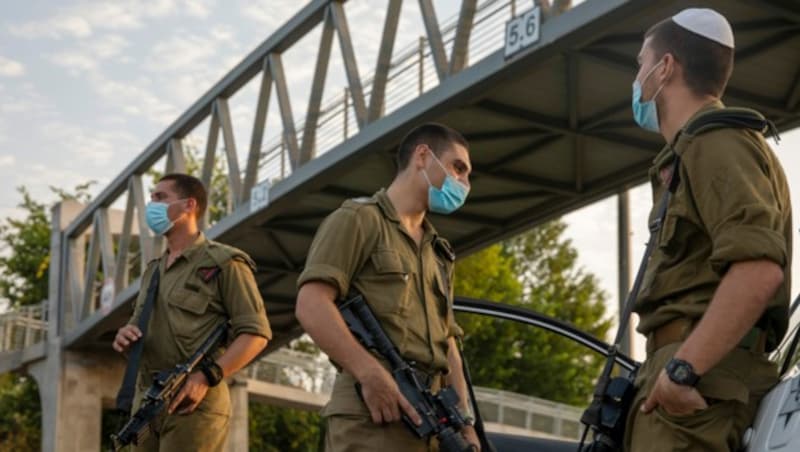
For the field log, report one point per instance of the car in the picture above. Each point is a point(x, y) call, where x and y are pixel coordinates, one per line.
point(776, 427)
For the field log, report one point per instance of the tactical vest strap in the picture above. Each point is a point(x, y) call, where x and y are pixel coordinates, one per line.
point(731, 117)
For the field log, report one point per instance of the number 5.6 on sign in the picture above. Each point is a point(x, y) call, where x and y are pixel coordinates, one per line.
point(522, 31)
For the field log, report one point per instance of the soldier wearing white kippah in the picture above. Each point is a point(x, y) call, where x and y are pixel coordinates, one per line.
point(715, 294)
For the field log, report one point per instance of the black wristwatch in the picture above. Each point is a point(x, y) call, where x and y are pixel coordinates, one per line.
point(681, 372)
point(212, 371)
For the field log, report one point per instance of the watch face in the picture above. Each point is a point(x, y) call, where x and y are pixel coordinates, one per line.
point(681, 373)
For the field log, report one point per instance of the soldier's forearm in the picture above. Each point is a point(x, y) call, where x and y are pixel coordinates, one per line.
point(317, 313)
point(241, 351)
point(739, 301)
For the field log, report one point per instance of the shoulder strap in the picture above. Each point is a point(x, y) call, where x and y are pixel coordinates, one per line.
point(126, 392)
point(220, 254)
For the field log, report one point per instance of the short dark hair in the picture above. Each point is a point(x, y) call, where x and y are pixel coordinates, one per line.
point(189, 187)
point(438, 136)
point(707, 64)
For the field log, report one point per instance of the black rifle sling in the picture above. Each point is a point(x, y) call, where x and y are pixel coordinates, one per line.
point(592, 415)
point(480, 430)
point(126, 392)
point(443, 252)
point(655, 228)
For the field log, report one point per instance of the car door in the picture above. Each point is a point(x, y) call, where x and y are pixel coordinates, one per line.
point(524, 423)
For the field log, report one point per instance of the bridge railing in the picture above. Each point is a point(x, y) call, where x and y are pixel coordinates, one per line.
point(525, 414)
point(100, 252)
point(312, 373)
point(22, 327)
point(529, 413)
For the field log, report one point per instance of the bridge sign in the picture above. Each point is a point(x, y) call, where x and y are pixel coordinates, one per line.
point(259, 196)
point(107, 295)
point(522, 31)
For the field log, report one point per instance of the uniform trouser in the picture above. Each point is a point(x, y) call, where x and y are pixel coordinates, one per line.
point(349, 427)
point(736, 386)
point(353, 433)
point(204, 430)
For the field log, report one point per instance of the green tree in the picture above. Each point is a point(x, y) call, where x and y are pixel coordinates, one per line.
point(25, 243)
point(20, 413)
point(536, 270)
point(278, 429)
point(24, 268)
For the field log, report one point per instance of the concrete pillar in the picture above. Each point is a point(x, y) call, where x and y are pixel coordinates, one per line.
point(73, 387)
point(238, 435)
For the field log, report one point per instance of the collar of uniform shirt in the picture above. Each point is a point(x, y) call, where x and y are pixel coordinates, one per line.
point(429, 233)
point(192, 249)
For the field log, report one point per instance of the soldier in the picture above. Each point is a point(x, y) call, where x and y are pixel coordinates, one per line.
point(716, 291)
point(201, 284)
point(385, 248)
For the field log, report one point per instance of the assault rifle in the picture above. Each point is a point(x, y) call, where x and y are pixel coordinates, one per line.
point(165, 387)
point(439, 412)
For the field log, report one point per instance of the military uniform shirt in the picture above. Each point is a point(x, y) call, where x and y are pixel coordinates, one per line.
point(363, 246)
point(731, 204)
point(187, 308)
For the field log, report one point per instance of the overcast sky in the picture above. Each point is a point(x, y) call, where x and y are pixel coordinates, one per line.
point(85, 86)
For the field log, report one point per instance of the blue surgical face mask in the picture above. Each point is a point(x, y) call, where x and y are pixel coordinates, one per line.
point(157, 217)
point(645, 113)
point(450, 197)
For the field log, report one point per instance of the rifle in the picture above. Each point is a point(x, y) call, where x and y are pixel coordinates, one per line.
point(439, 412)
point(165, 387)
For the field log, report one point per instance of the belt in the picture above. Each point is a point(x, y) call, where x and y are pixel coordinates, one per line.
point(678, 330)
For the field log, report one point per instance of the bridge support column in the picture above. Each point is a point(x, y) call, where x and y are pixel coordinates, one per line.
point(73, 387)
point(238, 434)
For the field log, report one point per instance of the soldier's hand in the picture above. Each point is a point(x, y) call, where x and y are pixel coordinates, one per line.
point(383, 398)
point(472, 437)
point(675, 399)
point(191, 394)
point(126, 336)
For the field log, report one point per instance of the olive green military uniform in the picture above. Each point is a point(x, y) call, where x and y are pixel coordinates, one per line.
point(731, 204)
point(363, 246)
point(205, 286)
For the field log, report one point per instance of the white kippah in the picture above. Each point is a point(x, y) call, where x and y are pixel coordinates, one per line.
point(706, 23)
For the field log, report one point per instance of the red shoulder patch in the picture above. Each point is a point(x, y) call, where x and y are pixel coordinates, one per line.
point(208, 273)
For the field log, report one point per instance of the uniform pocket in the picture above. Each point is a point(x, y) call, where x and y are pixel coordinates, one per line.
point(719, 410)
point(387, 262)
point(386, 287)
point(187, 314)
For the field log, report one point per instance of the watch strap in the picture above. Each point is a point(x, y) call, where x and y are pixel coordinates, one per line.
point(212, 371)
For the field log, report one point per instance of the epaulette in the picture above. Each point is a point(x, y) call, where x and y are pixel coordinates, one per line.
point(221, 254)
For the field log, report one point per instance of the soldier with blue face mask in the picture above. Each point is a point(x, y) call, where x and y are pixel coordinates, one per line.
point(199, 284)
point(715, 294)
point(385, 248)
